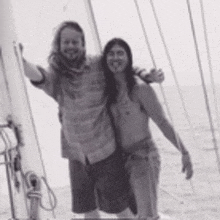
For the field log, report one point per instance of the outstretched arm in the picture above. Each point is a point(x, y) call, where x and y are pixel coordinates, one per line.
point(32, 72)
point(154, 110)
point(151, 77)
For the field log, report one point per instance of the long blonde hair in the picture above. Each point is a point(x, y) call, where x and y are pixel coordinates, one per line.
point(55, 46)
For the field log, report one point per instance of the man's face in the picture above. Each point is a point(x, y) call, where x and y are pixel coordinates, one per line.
point(71, 44)
point(117, 59)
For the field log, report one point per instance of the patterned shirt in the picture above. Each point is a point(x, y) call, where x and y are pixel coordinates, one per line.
point(86, 127)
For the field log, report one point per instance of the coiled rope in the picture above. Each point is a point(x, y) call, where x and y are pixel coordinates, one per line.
point(32, 191)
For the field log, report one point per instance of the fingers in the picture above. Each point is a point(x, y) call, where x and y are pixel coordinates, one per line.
point(189, 172)
point(157, 75)
point(155, 70)
point(152, 70)
point(21, 47)
point(187, 166)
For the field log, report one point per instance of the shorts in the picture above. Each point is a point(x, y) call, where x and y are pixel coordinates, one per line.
point(103, 185)
point(144, 178)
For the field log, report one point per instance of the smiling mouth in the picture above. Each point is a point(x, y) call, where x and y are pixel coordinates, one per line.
point(71, 52)
point(116, 64)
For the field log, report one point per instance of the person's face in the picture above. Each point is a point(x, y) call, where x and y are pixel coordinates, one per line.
point(117, 59)
point(71, 43)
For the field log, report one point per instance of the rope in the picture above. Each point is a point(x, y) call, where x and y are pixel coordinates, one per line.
point(6, 141)
point(34, 189)
point(20, 64)
point(54, 204)
point(9, 125)
point(203, 85)
point(32, 192)
point(210, 63)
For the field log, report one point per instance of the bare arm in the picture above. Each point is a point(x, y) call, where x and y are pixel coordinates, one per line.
point(32, 72)
point(154, 110)
point(154, 76)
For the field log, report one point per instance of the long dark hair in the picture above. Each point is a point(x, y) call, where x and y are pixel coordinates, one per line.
point(111, 89)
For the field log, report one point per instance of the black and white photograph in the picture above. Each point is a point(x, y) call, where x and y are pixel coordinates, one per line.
point(109, 109)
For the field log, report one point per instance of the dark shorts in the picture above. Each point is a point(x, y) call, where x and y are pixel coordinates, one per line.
point(103, 185)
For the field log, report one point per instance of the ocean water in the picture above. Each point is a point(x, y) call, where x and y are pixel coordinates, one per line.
point(195, 199)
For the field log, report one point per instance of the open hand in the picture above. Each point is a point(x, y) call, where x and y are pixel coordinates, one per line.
point(187, 165)
point(156, 75)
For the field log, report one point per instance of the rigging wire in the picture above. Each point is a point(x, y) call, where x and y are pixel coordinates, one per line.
point(152, 58)
point(177, 84)
point(192, 131)
point(90, 8)
point(170, 62)
point(203, 85)
point(161, 87)
point(154, 64)
point(171, 65)
point(210, 63)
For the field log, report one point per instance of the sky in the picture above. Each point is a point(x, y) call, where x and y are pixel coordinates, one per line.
point(35, 22)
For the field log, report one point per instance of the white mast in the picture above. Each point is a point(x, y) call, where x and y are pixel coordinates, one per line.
point(16, 112)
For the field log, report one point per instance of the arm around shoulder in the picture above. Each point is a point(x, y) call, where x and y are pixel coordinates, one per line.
point(154, 76)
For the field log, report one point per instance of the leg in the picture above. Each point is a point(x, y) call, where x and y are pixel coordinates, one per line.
point(112, 185)
point(144, 180)
point(82, 189)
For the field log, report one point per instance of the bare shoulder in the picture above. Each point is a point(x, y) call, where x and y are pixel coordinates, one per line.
point(141, 86)
point(143, 92)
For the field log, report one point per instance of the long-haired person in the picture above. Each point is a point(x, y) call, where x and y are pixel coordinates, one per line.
point(132, 104)
point(76, 82)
